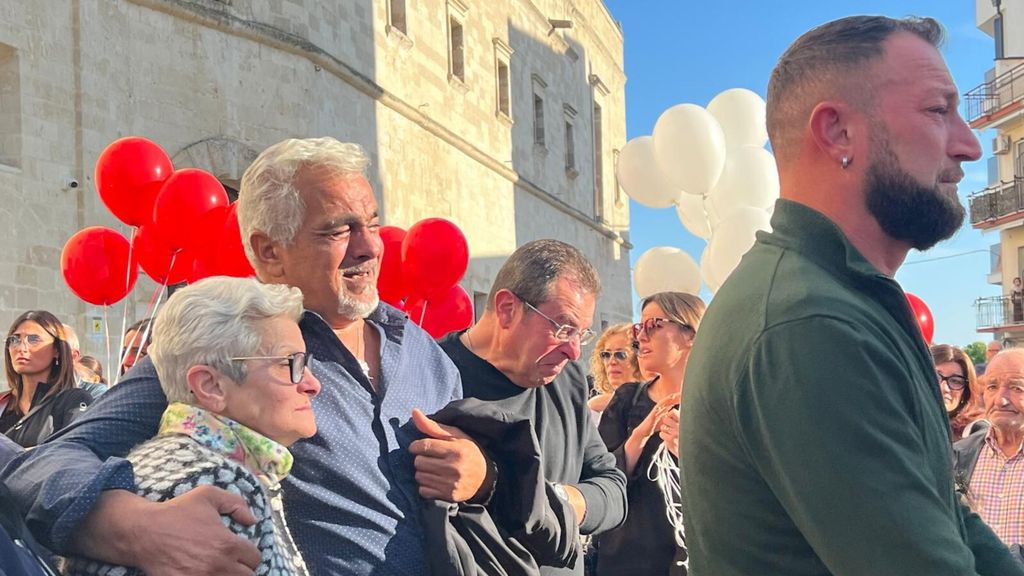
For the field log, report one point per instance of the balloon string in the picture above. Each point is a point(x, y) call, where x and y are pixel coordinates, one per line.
point(154, 303)
point(704, 209)
point(423, 313)
point(124, 315)
point(106, 335)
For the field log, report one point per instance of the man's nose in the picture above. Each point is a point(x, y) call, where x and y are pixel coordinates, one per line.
point(365, 244)
point(964, 145)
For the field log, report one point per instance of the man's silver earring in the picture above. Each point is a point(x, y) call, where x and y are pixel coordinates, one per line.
point(846, 162)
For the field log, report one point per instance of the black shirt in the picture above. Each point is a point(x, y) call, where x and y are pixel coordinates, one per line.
point(48, 414)
point(572, 451)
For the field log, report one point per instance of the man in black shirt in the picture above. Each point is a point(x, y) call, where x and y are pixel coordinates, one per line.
point(521, 358)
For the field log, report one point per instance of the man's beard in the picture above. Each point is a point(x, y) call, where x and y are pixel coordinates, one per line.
point(349, 307)
point(906, 209)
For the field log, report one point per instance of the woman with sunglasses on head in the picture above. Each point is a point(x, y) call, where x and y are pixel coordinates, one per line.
point(233, 365)
point(613, 363)
point(641, 428)
point(959, 387)
point(43, 395)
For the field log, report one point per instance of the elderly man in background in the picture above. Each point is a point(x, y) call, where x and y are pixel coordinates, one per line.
point(309, 219)
point(812, 437)
point(520, 358)
point(989, 463)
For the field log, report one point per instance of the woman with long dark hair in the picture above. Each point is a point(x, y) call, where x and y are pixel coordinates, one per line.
point(40, 370)
point(958, 384)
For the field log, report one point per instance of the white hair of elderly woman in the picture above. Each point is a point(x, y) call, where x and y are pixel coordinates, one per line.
point(268, 200)
point(212, 321)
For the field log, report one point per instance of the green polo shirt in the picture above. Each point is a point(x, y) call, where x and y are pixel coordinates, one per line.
point(813, 438)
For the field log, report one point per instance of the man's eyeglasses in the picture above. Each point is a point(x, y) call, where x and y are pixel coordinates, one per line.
point(31, 340)
point(564, 332)
point(954, 381)
point(651, 324)
point(619, 355)
point(296, 363)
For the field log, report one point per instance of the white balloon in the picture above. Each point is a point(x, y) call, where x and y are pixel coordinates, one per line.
point(665, 269)
point(706, 273)
point(639, 175)
point(733, 237)
point(743, 117)
point(750, 178)
point(689, 147)
point(693, 216)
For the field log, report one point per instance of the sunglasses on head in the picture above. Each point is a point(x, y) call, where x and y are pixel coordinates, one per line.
point(619, 355)
point(296, 363)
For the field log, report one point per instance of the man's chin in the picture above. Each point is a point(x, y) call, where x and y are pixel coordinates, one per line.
point(358, 308)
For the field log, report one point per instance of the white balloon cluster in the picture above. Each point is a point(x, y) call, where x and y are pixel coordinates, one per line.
point(711, 165)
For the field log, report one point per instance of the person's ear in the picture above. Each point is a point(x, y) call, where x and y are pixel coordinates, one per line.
point(268, 255)
point(208, 388)
point(505, 306)
point(834, 129)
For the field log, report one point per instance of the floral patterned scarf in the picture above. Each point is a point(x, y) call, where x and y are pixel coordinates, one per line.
point(269, 460)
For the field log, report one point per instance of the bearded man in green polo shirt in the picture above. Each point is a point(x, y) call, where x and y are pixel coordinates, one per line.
point(813, 439)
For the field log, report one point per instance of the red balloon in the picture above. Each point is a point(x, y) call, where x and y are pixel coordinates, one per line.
point(129, 174)
point(434, 257)
point(452, 312)
point(183, 201)
point(97, 266)
point(391, 281)
point(155, 257)
point(231, 259)
point(923, 316)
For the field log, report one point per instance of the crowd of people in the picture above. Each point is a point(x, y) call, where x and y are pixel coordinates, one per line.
point(293, 424)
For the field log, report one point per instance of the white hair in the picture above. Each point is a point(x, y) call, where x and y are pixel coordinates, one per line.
point(212, 321)
point(269, 202)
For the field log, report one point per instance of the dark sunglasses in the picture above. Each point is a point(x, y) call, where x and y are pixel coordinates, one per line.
point(297, 363)
point(652, 324)
point(619, 355)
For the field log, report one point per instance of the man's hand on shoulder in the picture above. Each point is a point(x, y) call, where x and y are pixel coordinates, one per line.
point(450, 466)
point(184, 535)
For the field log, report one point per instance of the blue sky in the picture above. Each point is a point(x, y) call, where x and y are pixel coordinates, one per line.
point(680, 51)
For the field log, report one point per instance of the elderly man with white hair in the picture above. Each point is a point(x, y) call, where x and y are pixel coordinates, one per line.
point(309, 219)
point(232, 363)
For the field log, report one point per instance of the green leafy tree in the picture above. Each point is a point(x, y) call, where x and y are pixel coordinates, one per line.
point(976, 351)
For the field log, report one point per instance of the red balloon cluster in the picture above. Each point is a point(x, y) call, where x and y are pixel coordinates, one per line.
point(923, 316)
point(186, 229)
point(420, 272)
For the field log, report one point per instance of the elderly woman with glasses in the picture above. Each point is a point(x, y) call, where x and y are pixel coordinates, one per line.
point(612, 364)
point(233, 364)
point(641, 428)
point(959, 387)
point(43, 396)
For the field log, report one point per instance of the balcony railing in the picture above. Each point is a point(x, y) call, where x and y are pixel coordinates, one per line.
point(999, 311)
point(995, 95)
point(997, 201)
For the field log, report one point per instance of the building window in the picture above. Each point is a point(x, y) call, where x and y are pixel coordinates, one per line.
point(598, 163)
point(619, 200)
point(570, 142)
point(502, 81)
point(457, 12)
point(538, 111)
point(10, 107)
point(396, 16)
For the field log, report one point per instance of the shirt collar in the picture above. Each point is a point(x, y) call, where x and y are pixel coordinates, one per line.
point(990, 441)
point(261, 455)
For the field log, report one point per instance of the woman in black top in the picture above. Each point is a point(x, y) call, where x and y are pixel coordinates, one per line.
point(641, 428)
point(41, 374)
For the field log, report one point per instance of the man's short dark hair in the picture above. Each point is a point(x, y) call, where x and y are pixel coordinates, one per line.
point(820, 64)
point(531, 270)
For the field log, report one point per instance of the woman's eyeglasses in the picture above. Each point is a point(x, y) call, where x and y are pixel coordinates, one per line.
point(954, 381)
point(296, 363)
point(33, 341)
point(619, 355)
point(652, 324)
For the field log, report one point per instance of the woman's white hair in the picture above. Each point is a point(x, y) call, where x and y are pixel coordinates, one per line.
point(212, 321)
point(269, 202)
